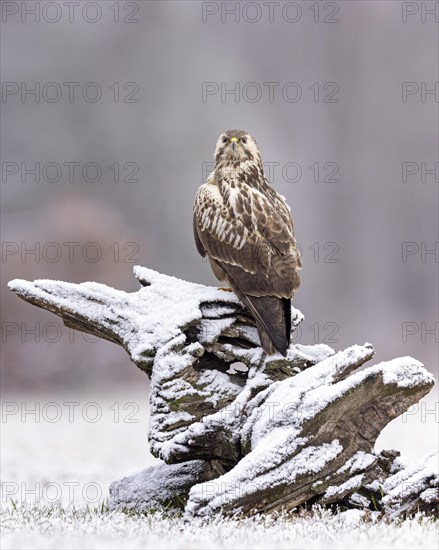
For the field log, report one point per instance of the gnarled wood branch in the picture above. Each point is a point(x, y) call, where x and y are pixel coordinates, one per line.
point(274, 434)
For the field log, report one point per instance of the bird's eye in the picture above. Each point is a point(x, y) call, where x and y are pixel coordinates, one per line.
point(225, 140)
point(244, 140)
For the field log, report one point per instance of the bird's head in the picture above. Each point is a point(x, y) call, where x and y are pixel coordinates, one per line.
point(236, 146)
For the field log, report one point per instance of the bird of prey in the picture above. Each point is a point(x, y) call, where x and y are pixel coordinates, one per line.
point(245, 228)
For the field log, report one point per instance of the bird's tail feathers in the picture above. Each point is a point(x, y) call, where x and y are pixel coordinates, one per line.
point(273, 320)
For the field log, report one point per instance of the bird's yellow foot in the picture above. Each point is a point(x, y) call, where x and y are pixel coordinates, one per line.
point(226, 289)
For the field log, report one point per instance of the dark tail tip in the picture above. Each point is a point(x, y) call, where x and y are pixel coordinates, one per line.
point(269, 346)
point(273, 320)
point(276, 337)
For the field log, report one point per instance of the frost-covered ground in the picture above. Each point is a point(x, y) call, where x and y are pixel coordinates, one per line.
point(89, 530)
point(65, 451)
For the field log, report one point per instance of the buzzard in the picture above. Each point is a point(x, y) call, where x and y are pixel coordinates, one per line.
point(245, 228)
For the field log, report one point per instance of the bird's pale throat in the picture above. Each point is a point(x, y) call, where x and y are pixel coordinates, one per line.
point(234, 168)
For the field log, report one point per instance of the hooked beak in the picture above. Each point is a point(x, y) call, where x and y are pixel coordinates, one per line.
point(234, 141)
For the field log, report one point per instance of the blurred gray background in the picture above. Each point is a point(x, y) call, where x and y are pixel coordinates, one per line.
point(356, 286)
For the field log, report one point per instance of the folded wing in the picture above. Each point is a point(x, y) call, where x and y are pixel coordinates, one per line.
point(248, 237)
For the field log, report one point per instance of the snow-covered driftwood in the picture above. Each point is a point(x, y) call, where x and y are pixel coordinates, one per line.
point(236, 429)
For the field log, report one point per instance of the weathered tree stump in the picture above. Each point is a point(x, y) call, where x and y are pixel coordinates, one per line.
point(237, 429)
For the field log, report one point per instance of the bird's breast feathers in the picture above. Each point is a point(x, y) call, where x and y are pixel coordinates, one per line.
point(236, 213)
point(216, 214)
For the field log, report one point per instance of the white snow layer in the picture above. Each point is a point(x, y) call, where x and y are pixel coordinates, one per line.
point(146, 319)
point(419, 478)
point(154, 487)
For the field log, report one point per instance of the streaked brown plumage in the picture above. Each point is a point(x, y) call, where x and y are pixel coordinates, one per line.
point(244, 227)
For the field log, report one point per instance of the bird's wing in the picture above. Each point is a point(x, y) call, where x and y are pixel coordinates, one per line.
point(250, 235)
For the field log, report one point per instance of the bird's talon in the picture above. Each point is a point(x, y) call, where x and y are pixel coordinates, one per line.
point(226, 289)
